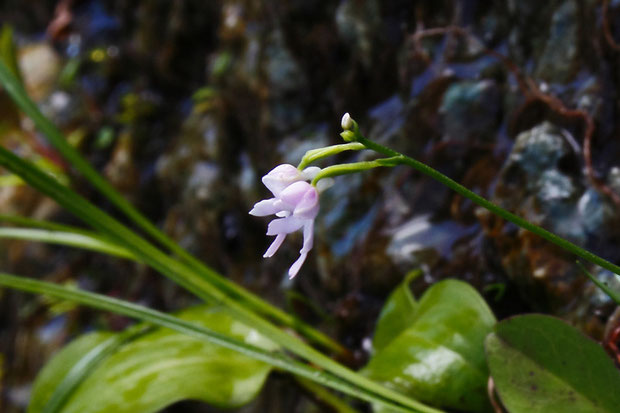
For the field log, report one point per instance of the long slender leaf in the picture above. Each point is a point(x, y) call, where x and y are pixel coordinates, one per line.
point(186, 277)
point(54, 233)
point(325, 396)
point(71, 239)
point(19, 95)
point(37, 223)
point(160, 319)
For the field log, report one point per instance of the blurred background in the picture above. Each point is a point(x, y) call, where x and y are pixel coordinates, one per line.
point(183, 105)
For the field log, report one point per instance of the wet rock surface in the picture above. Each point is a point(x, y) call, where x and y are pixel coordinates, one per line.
point(183, 106)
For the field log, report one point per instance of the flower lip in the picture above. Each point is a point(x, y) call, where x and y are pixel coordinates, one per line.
point(304, 197)
point(308, 208)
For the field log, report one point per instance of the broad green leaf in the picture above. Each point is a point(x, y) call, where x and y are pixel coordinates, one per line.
point(158, 368)
point(60, 365)
point(397, 314)
point(540, 364)
point(439, 357)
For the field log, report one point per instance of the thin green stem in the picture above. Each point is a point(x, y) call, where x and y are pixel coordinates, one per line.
point(349, 168)
point(508, 216)
point(314, 155)
point(160, 319)
point(14, 88)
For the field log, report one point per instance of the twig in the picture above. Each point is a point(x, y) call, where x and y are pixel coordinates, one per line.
point(607, 28)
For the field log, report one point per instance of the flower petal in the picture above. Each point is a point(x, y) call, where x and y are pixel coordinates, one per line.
point(267, 207)
point(305, 249)
point(324, 184)
point(292, 272)
point(310, 172)
point(295, 192)
point(308, 237)
point(275, 245)
point(284, 225)
point(280, 177)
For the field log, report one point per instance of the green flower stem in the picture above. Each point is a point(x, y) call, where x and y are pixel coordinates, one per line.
point(185, 277)
point(349, 168)
point(14, 88)
point(603, 286)
point(515, 219)
point(314, 155)
point(160, 319)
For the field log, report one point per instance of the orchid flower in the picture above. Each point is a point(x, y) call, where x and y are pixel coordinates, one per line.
point(295, 203)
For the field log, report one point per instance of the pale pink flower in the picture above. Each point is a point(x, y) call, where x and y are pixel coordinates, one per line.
point(295, 203)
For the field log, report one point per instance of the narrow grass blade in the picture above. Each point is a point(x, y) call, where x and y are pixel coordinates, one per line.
point(36, 223)
point(88, 242)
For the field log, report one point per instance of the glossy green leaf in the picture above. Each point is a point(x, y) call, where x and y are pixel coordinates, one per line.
point(540, 364)
point(397, 313)
point(158, 368)
point(439, 357)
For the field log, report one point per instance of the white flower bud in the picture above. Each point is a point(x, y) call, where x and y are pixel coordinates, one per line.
point(346, 122)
